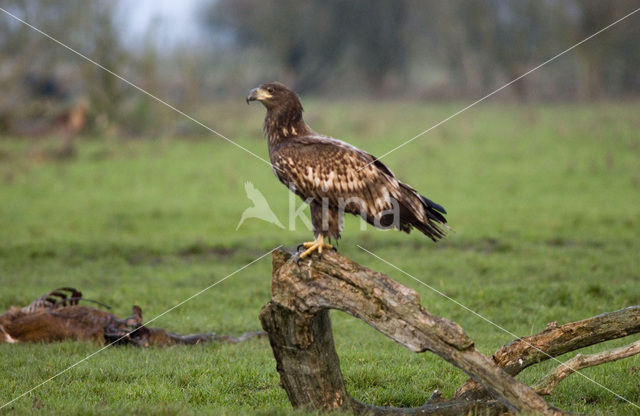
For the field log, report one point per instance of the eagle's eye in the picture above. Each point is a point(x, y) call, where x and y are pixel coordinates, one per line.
point(270, 90)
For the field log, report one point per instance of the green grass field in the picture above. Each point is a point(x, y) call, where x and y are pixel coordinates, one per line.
point(544, 200)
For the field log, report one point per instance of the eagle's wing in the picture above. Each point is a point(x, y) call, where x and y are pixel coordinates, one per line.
point(321, 167)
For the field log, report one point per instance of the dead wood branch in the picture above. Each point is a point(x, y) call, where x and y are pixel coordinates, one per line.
point(551, 380)
point(557, 340)
point(299, 329)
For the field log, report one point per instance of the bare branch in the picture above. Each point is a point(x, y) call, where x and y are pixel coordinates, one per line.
point(551, 380)
point(557, 340)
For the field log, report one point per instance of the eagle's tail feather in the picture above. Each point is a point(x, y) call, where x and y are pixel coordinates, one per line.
point(434, 211)
point(433, 205)
point(430, 229)
point(435, 227)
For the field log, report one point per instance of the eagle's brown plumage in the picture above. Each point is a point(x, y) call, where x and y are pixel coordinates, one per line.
point(323, 170)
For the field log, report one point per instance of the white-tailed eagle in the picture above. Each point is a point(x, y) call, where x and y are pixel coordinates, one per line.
point(334, 177)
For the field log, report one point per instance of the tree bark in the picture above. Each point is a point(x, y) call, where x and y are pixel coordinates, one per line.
point(299, 329)
point(557, 340)
point(564, 370)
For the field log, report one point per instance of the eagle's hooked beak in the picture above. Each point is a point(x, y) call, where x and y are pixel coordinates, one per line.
point(257, 94)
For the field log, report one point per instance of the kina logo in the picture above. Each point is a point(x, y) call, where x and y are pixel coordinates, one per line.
point(260, 209)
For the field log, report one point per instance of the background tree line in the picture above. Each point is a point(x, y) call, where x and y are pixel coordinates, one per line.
point(417, 49)
point(433, 48)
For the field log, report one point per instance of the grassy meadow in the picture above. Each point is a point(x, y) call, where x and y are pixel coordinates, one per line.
point(544, 201)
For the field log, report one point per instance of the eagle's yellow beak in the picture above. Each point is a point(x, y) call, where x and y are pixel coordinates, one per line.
point(257, 94)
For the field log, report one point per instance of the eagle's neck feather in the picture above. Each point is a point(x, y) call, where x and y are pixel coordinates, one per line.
point(284, 123)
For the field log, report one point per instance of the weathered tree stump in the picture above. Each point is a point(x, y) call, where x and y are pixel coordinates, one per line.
point(297, 321)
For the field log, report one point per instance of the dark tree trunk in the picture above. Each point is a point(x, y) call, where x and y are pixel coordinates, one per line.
point(307, 360)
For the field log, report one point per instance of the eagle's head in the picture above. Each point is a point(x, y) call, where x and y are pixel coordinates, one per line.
point(274, 95)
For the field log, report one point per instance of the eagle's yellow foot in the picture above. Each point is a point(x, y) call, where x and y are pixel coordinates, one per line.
point(317, 245)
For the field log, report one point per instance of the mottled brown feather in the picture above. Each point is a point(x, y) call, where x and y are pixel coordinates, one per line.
point(315, 166)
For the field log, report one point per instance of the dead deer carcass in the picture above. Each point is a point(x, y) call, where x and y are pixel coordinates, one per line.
point(57, 316)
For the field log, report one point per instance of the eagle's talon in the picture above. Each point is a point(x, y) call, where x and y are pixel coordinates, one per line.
point(306, 245)
point(296, 258)
point(308, 251)
point(317, 245)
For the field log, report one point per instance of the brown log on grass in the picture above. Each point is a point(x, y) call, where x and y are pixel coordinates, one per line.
point(299, 328)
